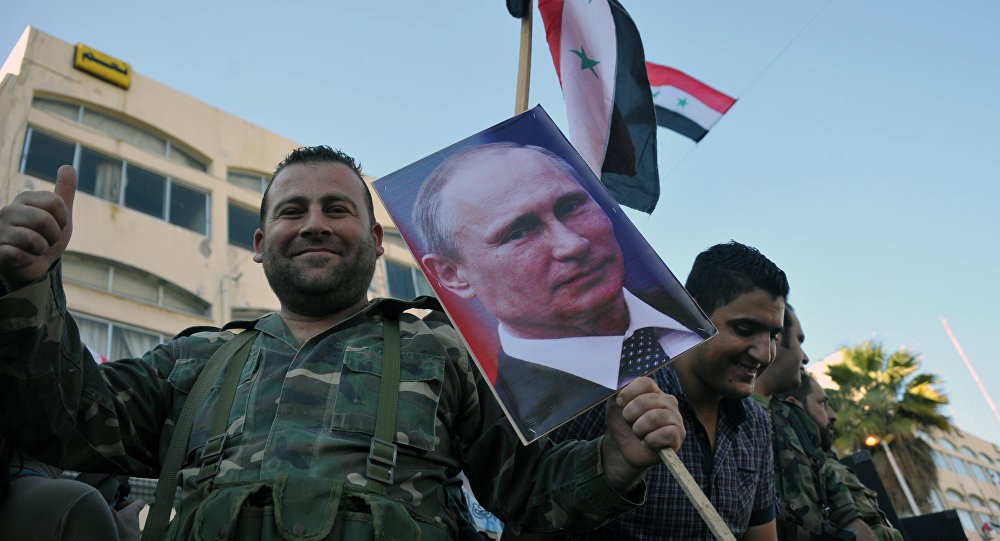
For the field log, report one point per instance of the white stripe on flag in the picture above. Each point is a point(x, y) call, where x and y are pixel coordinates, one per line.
point(98, 358)
point(671, 97)
point(588, 28)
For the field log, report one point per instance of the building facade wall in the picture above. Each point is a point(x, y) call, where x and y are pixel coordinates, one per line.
point(968, 470)
point(131, 248)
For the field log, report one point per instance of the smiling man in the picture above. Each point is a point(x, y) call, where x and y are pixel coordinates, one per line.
point(728, 449)
point(364, 411)
point(512, 226)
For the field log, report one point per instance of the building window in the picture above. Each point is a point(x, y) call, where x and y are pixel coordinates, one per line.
point(117, 181)
point(121, 129)
point(954, 495)
point(979, 473)
point(243, 222)
point(947, 444)
point(44, 154)
point(124, 281)
point(144, 191)
point(985, 458)
point(968, 452)
point(939, 460)
point(113, 340)
point(976, 501)
point(64, 109)
point(959, 465)
point(188, 208)
point(967, 521)
point(247, 314)
point(99, 175)
point(406, 282)
point(251, 181)
point(393, 238)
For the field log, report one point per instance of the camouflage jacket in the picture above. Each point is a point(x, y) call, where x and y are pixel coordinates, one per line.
point(812, 502)
point(306, 411)
point(866, 500)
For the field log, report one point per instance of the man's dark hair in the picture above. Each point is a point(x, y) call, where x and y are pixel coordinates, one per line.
point(802, 392)
point(723, 272)
point(318, 154)
point(786, 326)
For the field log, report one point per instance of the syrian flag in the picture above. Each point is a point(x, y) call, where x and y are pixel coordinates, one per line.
point(599, 59)
point(685, 104)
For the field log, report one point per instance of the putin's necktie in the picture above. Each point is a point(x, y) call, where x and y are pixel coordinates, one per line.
point(641, 352)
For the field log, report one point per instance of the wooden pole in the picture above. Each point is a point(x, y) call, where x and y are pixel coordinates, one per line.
point(668, 456)
point(697, 497)
point(524, 62)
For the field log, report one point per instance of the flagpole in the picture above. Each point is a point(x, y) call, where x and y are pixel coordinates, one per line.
point(524, 62)
point(695, 494)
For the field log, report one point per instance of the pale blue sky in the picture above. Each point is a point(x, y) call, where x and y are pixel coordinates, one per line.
point(863, 159)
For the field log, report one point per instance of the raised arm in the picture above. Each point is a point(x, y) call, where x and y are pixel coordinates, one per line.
point(35, 229)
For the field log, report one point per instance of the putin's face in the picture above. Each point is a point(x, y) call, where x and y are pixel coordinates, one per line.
point(533, 246)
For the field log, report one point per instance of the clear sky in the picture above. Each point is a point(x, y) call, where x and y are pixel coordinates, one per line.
point(863, 156)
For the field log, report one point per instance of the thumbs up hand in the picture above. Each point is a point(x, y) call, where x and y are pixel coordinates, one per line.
point(35, 229)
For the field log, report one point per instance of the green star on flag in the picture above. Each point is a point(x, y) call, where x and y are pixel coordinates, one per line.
point(681, 102)
point(586, 63)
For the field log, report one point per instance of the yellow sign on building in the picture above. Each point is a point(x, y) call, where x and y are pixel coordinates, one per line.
point(102, 66)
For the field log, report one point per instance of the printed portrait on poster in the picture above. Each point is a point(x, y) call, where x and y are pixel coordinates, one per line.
point(559, 297)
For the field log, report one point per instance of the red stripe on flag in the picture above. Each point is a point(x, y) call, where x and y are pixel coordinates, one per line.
point(664, 76)
point(551, 11)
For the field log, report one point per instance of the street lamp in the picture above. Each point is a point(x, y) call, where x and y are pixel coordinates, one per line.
point(872, 441)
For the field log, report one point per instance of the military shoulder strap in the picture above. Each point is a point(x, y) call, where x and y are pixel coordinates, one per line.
point(382, 453)
point(237, 349)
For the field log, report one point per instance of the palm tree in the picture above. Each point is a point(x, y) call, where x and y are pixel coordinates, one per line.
point(885, 397)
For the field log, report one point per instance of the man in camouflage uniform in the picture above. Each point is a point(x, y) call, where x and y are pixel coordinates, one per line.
point(810, 396)
point(813, 504)
point(294, 460)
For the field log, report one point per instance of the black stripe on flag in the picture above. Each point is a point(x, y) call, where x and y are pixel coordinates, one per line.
point(632, 138)
point(679, 123)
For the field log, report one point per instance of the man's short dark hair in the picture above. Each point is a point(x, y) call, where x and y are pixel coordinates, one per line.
point(723, 272)
point(786, 326)
point(802, 392)
point(436, 228)
point(318, 154)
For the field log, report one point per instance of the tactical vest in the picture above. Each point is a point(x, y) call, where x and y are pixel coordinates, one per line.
point(286, 507)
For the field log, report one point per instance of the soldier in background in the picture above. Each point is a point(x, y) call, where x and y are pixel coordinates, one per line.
point(813, 504)
point(812, 398)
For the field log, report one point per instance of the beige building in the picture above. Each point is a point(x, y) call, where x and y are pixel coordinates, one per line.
point(968, 471)
point(168, 196)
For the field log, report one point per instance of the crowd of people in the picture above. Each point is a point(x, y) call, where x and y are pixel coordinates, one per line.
point(346, 417)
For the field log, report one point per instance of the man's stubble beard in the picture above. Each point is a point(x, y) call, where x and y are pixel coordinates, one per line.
point(344, 283)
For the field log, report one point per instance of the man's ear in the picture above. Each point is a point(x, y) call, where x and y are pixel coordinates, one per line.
point(258, 244)
point(447, 273)
point(377, 235)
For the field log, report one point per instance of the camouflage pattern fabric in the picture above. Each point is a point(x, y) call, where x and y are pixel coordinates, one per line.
point(812, 502)
point(305, 412)
point(866, 500)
